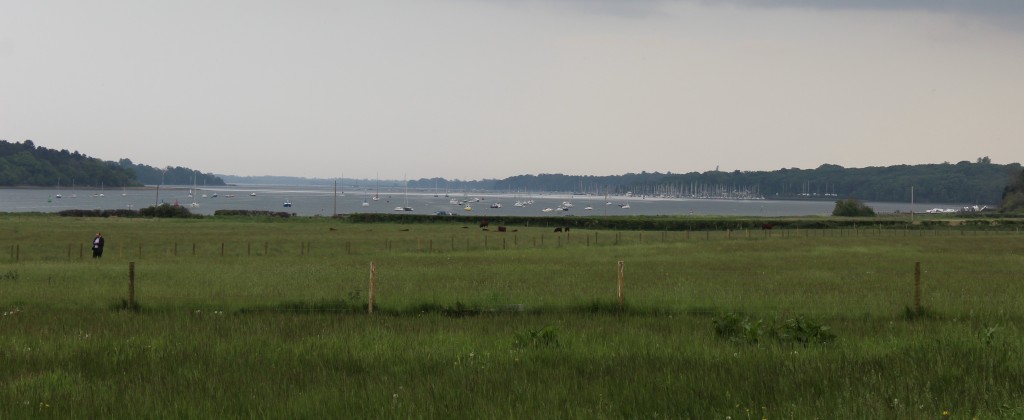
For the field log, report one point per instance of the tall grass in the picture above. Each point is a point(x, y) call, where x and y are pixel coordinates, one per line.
point(486, 330)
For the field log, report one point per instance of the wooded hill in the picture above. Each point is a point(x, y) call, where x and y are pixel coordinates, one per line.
point(25, 164)
point(979, 182)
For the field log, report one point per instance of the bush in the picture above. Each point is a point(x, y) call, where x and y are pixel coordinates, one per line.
point(253, 213)
point(98, 213)
point(852, 208)
point(166, 210)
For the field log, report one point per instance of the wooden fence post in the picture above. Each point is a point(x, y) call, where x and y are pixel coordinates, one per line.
point(917, 287)
point(621, 269)
point(131, 285)
point(373, 283)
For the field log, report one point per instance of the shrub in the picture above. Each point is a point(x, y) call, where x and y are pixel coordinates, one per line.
point(98, 213)
point(253, 213)
point(852, 208)
point(167, 211)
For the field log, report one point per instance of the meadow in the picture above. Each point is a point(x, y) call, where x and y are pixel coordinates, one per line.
point(263, 317)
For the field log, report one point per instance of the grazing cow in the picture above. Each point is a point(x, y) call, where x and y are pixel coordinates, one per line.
point(558, 229)
point(501, 229)
point(485, 223)
point(767, 226)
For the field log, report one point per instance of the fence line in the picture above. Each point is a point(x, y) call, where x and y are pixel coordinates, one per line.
point(912, 273)
point(472, 242)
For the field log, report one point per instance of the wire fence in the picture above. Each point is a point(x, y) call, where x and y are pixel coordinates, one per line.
point(482, 241)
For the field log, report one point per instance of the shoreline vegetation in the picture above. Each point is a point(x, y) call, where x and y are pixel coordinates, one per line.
point(981, 181)
point(258, 316)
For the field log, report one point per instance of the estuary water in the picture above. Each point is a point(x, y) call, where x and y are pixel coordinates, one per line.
point(324, 201)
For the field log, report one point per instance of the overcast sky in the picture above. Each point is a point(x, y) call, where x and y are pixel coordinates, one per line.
point(494, 88)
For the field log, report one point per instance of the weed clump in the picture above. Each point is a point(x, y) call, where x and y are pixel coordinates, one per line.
point(125, 306)
point(546, 337)
point(742, 329)
point(920, 313)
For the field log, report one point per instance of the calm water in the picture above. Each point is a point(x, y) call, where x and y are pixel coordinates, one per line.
point(314, 200)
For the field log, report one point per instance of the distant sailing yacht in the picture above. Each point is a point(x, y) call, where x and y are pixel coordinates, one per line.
point(195, 204)
point(376, 192)
point(406, 206)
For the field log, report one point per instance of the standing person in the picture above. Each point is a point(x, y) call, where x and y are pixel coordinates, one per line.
point(97, 246)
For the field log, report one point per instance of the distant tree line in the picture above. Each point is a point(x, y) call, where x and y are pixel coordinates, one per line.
point(979, 182)
point(25, 164)
point(1013, 195)
point(175, 175)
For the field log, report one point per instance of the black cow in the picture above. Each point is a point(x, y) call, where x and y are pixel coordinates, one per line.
point(558, 229)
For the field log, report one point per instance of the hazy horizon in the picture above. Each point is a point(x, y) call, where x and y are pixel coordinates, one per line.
point(495, 88)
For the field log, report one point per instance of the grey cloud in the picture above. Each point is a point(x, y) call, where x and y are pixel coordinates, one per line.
point(1002, 8)
point(990, 9)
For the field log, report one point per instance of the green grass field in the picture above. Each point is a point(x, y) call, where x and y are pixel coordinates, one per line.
point(255, 317)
